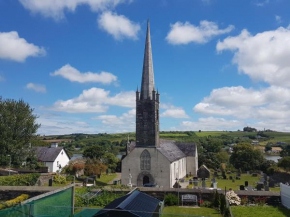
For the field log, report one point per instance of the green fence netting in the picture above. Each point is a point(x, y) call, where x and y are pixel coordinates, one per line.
point(55, 205)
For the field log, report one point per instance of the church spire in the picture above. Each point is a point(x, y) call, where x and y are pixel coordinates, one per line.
point(147, 85)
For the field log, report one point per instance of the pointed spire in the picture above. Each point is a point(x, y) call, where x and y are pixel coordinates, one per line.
point(147, 85)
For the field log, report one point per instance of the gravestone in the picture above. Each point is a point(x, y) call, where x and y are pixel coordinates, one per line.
point(190, 181)
point(203, 184)
point(250, 188)
point(187, 175)
point(271, 184)
point(213, 180)
point(265, 183)
point(260, 186)
point(238, 178)
point(266, 188)
point(195, 182)
point(262, 180)
point(231, 177)
point(50, 182)
point(248, 172)
point(246, 183)
point(254, 174)
point(242, 188)
point(224, 177)
point(265, 176)
point(203, 172)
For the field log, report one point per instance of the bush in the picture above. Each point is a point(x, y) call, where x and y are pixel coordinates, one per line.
point(19, 180)
point(59, 179)
point(70, 178)
point(170, 200)
point(207, 204)
point(14, 201)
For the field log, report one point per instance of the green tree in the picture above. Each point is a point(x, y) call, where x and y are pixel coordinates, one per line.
point(94, 152)
point(110, 160)
point(245, 157)
point(286, 151)
point(268, 148)
point(285, 163)
point(17, 128)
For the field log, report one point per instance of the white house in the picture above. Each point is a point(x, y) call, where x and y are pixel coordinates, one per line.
point(54, 157)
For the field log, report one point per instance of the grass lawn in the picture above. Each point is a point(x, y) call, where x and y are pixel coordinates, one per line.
point(105, 179)
point(222, 183)
point(269, 211)
point(172, 211)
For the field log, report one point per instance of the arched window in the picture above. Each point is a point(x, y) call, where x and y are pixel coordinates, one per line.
point(145, 160)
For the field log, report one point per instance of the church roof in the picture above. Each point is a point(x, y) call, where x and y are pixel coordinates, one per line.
point(170, 150)
point(147, 85)
point(173, 150)
point(189, 149)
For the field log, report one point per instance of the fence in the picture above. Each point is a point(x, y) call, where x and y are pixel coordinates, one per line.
point(51, 204)
point(285, 195)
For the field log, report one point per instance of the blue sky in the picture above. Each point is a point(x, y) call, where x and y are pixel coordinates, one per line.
point(219, 65)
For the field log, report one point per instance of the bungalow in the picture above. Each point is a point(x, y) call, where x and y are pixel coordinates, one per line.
point(54, 157)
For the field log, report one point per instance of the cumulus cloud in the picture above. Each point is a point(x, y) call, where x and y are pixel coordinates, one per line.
point(124, 122)
point(264, 56)
point(267, 105)
point(56, 8)
point(95, 100)
point(12, 47)
point(75, 75)
point(173, 112)
point(211, 124)
point(185, 33)
point(261, 3)
point(118, 26)
point(36, 87)
point(278, 18)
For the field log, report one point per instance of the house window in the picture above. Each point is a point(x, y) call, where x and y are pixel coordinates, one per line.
point(145, 160)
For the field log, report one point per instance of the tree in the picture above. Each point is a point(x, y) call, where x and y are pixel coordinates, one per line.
point(245, 157)
point(286, 151)
point(285, 163)
point(249, 129)
point(268, 148)
point(94, 152)
point(110, 160)
point(17, 128)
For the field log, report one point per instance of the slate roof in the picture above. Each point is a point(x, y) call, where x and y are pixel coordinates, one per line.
point(136, 203)
point(170, 150)
point(189, 149)
point(46, 154)
point(173, 150)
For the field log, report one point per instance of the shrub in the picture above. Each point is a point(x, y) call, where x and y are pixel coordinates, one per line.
point(19, 180)
point(206, 204)
point(216, 199)
point(233, 198)
point(59, 179)
point(14, 201)
point(170, 199)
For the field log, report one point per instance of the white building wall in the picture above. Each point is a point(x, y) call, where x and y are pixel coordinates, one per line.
point(285, 195)
point(160, 167)
point(177, 170)
point(62, 159)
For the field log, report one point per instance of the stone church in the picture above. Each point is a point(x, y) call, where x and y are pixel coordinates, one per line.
point(151, 160)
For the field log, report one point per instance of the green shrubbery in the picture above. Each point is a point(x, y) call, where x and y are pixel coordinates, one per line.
point(14, 201)
point(19, 180)
point(59, 179)
point(170, 200)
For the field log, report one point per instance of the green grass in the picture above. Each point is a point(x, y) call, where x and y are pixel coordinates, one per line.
point(174, 211)
point(269, 211)
point(105, 179)
point(222, 183)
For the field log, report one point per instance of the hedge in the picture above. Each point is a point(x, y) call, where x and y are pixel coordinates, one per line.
point(19, 180)
point(14, 201)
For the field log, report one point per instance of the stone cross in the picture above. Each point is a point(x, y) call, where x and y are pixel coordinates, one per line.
point(130, 181)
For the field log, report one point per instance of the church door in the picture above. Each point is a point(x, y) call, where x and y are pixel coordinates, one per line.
point(145, 180)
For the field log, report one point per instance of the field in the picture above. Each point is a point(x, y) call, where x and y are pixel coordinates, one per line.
point(175, 211)
point(269, 211)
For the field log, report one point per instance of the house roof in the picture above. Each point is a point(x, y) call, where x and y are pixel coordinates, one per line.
point(46, 154)
point(189, 149)
point(137, 203)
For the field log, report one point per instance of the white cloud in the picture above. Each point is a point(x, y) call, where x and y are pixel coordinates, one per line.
point(266, 105)
point(261, 3)
point(278, 18)
point(75, 75)
point(184, 33)
point(211, 124)
point(125, 122)
point(95, 100)
point(118, 26)
point(36, 87)
point(173, 112)
point(12, 47)
point(56, 8)
point(264, 56)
